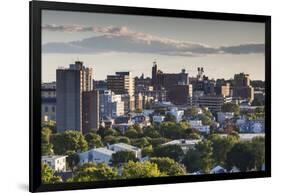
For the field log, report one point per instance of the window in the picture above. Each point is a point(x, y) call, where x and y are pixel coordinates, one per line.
point(53, 109)
point(46, 109)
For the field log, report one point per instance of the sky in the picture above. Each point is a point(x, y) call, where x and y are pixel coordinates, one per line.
point(113, 42)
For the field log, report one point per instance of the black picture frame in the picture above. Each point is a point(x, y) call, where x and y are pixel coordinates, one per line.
point(35, 93)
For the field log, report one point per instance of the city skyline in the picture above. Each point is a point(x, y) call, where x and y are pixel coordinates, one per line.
point(134, 42)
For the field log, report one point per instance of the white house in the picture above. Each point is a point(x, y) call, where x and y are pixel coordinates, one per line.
point(185, 144)
point(158, 118)
point(176, 113)
point(56, 162)
point(125, 147)
point(222, 116)
point(96, 155)
point(197, 124)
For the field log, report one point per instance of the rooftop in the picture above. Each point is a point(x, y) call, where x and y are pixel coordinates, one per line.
point(52, 157)
point(125, 146)
point(183, 142)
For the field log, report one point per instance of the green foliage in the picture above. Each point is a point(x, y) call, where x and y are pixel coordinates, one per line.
point(47, 175)
point(191, 133)
point(93, 140)
point(122, 157)
point(170, 118)
point(69, 141)
point(173, 130)
point(140, 170)
point(206, 120)
point(168, 166)
point(109, 139)
point(131, 133)
point(141, 142)
point(46, 146)
point(147, 151)
point(258, 148)
point(221, 146)
point(123, 139)
point(93, 172)
point(151, 132)
point(107, 131)
point(206, 153)
point(192, 160)
point(231, 107)
point(241, 156)
point(172, 151)
point(191, 112)
point(72, 159)
point(50, 125)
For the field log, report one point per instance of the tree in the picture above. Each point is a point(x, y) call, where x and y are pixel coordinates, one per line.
point(170, 118)
point(144, 169)
point(141, 142)
point(206, 153)
point(191, 133)
point(50, 125)
point(147, 151)
point(168, 166)
point(46, 146)
point(131, 133)
point(93, 140)
point(69, 141)
point(123, 139)
point(206, 120)
point(72, 159)
point(151, 132)
point(94, 172)
point(241, 156)
point(109, 139)
point(172, 151)
point(258, 148)
point(221, 146)
point(47, 175)
point(172, 130)
point(122, 157)
point(192, 112)
point(231, 107)
point(192, 160)
point(107, 131)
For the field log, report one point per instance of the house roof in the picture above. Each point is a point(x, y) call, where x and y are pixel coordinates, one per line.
point(125, 146)
point(52, 157)
point(183, 142)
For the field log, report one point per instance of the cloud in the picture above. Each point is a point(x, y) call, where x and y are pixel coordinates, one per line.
point(123, 39)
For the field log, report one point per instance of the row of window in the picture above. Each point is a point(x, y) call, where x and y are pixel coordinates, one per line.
point(52, 109)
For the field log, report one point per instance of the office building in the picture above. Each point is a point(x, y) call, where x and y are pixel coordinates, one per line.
point(180, 94)
point(121, 83)
point(168, 80)
point(213, 103)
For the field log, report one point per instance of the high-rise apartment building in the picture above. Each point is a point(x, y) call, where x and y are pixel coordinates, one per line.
point(71, 82)
point(90, 111)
